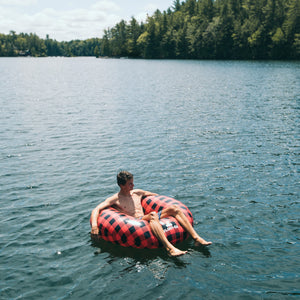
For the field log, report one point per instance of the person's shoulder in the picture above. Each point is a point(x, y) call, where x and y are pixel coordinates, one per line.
point(113, 198)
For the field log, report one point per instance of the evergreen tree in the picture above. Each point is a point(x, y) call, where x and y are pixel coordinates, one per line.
point(176, 5)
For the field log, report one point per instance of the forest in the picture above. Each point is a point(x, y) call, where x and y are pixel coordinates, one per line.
point(191, 29)
point(24, 44)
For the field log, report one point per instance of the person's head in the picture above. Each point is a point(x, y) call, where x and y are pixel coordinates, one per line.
point(123, 177)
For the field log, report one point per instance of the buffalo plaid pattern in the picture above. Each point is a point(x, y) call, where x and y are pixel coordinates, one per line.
point(127, 231)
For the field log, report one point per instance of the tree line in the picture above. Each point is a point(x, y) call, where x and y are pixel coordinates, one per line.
point(211, 29)
point(192, 29)
point(24, 44)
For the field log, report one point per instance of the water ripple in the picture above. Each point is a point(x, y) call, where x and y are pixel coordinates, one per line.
point(219, 136)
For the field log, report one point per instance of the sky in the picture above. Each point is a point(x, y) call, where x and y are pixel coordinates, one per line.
point(65, 20)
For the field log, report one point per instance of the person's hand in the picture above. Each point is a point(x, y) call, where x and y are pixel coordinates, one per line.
point(95, 230)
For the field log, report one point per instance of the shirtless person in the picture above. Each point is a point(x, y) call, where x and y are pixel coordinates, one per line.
point(128, 201)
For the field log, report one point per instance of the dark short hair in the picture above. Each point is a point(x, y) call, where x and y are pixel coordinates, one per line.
point(123, 176)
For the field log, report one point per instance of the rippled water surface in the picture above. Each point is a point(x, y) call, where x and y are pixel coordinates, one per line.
point(222, 137)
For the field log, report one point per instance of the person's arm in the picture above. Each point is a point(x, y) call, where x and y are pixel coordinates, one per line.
point(95, 213)
point(144, 193)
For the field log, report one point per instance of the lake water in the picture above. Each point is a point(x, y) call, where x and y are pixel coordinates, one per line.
point(220, 136)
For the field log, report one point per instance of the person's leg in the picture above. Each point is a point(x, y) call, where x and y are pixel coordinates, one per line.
point(177, 213)
point(157, 230)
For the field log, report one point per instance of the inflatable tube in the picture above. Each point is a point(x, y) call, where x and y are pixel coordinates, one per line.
point(127, 231)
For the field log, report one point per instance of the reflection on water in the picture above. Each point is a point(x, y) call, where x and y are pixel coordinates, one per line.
point(158, 268)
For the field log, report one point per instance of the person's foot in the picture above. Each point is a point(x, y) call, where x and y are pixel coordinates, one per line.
point(176, 252)
point(201, 242)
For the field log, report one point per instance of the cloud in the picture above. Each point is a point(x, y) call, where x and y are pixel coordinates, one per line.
point(18, 2)
point(81, 23)
point(106, 6)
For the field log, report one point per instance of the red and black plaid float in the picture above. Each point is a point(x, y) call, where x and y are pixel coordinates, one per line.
point(128, 231)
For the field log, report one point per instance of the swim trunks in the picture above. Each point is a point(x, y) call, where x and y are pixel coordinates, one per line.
point(159, 214)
